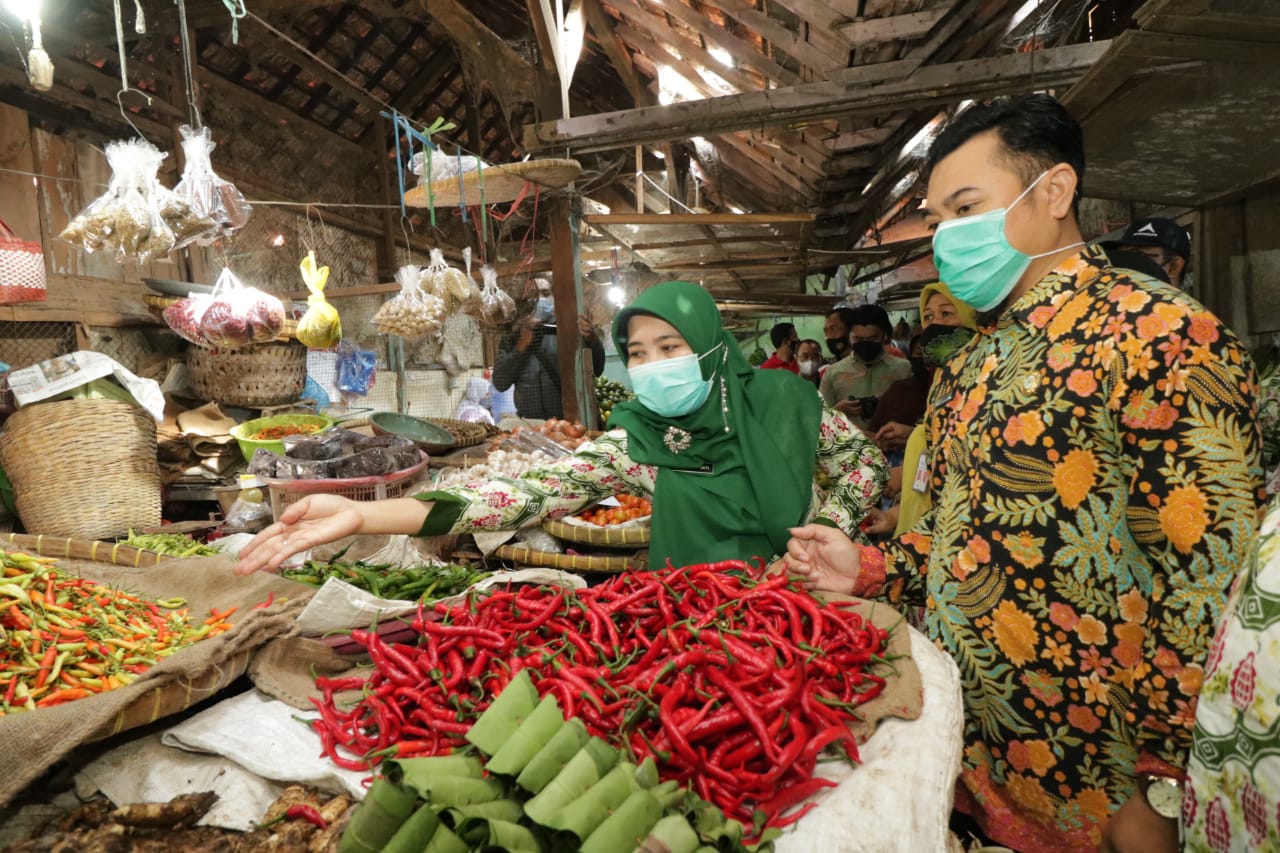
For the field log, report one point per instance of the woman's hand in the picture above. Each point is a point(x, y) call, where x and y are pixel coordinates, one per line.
point(893, 487)
point(881, 522)
point(849, 408)
point(314, 520)
point(893, 436)
point(1136, 828)
point(824, 558)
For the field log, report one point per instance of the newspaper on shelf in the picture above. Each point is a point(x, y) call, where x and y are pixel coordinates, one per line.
point(68, 372)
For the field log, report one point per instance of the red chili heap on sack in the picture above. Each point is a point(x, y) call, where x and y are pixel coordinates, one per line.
point(734, 682)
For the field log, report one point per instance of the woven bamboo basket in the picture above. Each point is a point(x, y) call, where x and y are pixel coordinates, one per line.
point(501, 182)
point(162, 701)
point(80, 549)
point(256, 376)
point(609, 536)
point(465, 433)
point(574, 562)
point(83, 468)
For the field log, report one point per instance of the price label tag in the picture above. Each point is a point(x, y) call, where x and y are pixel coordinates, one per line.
point(251, 481)
point(921, 481)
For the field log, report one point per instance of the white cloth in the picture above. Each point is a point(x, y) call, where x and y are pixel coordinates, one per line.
point(474, 407)
point(899, 799)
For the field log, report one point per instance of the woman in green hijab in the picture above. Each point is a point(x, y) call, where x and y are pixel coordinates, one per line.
point(727, 453)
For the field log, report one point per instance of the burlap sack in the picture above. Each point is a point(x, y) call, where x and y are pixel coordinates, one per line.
point(34, 740)
point(284, 670)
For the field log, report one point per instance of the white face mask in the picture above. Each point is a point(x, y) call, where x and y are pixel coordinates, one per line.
point(808, 368)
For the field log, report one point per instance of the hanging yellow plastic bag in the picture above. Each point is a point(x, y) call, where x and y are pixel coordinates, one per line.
point(320, 327)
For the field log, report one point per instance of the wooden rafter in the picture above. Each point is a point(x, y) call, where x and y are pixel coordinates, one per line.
point(743, 52)
point(821, 52)
point(654, 37)
point(928, 86)
point(914, 25)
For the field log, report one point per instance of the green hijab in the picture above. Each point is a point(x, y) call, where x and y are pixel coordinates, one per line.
point(736, 473)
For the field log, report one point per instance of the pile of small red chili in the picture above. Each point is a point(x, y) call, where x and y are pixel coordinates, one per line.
point(735, 682)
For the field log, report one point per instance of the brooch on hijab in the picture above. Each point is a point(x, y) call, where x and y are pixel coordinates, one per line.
point(677, 440)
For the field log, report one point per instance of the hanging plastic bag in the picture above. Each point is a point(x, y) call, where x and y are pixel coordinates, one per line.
point(320, 327)
point(240, 315)
point(209, 195)
point(471, 302)
point(496, 305)
point(413, 314)
point(449, 283)
point(184, 317)
point(136, 218)
point(357, 369)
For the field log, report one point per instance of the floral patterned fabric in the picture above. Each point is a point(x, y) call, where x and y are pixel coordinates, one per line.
point(1232, 799)
point(1094, 473)
point(845, 458)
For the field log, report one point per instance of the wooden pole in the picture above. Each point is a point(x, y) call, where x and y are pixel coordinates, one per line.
point(564, 285)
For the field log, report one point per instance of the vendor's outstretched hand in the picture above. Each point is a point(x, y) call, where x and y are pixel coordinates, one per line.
point(314, 520)
point(824, 558)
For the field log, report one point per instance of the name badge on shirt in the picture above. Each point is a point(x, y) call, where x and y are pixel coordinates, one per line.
point(921, 481)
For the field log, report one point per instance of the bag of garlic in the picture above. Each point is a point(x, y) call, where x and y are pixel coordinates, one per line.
point(413, 313)
point(136, 218)
point(451, 284)
point(320, 327)
point(208, 194)
point(496, 305)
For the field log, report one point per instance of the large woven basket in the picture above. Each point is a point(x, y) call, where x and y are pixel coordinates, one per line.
point(256, 376)
point(83, 468)
point(496, 183)
point(607, 536)
point(573, 562)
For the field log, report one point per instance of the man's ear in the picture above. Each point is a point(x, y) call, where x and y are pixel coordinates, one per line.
point(1175, 266)
point(1060, 186)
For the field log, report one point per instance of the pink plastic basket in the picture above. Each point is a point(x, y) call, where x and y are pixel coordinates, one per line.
point(396, 485)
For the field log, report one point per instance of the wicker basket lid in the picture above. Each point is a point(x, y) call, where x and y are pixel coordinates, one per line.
point(502, 182)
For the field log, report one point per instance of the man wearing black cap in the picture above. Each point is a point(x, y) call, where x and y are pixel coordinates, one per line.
point(1163, 240)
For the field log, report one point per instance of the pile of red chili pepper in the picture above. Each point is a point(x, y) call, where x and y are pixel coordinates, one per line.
point(733, 680)
point(64, 637)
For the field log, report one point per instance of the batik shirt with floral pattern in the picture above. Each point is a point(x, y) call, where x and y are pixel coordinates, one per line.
point(849, 461)
point(1095, 473)
point(1232, 797)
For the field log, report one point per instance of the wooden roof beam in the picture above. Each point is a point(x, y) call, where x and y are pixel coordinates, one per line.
point(821, 53)
point(868, 31)
point(699, 219)
point(743, 52)
point(656, 39)
point(928, 86)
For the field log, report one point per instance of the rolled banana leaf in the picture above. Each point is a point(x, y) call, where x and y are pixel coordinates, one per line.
point(602, 754)
point(415, 833)
point(533, 734)
point(672, 834)
point(411, 769)
point(647, 773)
point(552, 758)
point(574, 780)
point(669, 793)
point(588, 811)
point(448, 791)
point(500, 721)
point(507, 810)
point(627, 826)
point(483, 834)
point(385, 808)
point(446, 841)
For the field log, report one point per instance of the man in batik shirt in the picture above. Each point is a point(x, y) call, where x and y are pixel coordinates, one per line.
point(1094, 473)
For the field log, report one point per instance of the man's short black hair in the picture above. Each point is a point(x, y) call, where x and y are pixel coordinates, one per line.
point(845, 314)
point(810, 341)
point(781, 333)
point(872, 315)
point(1035, 131)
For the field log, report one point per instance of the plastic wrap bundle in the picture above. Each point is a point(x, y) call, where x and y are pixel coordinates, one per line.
point(239, 315)
point(320, 327)
point(357, 369)
point(136, 218)
point(496, 305)
point(413, 314)
point(457, 288)
point(209, 195)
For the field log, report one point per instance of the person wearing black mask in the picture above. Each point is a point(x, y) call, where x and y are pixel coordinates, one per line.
point(854, 384)
point(836, 332)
